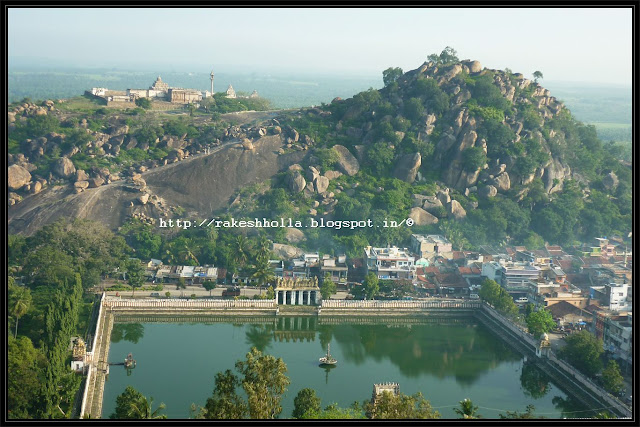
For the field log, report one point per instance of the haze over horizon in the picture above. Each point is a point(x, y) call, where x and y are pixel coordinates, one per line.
point(570, 45)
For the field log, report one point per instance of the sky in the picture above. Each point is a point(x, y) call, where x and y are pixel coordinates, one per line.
point(577, 44)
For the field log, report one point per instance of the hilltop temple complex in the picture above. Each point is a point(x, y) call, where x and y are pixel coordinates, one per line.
point(161, 91)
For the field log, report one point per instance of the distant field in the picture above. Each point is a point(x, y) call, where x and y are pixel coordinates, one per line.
point(618, 132)
point(283, 90)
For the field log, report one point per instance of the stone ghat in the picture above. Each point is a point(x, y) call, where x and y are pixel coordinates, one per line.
point(118, 304)
point(396, 308)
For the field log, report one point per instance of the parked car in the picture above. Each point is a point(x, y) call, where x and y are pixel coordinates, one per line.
point(155, 294)
point(231, 292)
point(522, 300)
point(474, 296)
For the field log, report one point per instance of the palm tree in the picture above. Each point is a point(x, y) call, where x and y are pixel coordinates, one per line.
point(264, 246)
point(19, 303)
point(141, 409)
point(242, 248)
point(185, 253)
point(262, 271)
point(467, 410)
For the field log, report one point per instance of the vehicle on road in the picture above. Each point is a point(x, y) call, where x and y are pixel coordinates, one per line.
point(233, 291)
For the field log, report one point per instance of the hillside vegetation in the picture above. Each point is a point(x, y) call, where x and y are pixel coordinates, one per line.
point(480, 155)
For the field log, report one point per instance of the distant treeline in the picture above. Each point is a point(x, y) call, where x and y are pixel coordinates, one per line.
point(284, 91)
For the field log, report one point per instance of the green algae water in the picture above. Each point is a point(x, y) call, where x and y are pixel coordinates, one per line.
point(446, 360)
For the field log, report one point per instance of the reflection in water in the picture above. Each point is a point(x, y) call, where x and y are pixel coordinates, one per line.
point(132, 332)
point(448, 359)
point(259, 336)
point(327, 368)
point(571, 407)
point(459, 348)
point(440, 350)
point(534, 382)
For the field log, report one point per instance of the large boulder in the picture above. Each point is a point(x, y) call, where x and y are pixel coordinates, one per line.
point(407, 167)
point(18, 177)
point(431, 203)
point(96, 182)
point(296, 182)
point(81, 175)
point(293, 235)
point(312, 173)
point(143, 198)
point(456, 210)
point(333, 174)
point(64, 168)
point(82, 185)
point(286, 251)
point(554, 175)
point(321, 184)
point(347, 163)
point(452, 72)
point(610, 181)
point(475, 67)
point(488, 191)
point(422, 217)
point(502, 182)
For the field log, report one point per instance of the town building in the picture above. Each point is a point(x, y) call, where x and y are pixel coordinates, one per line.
point(429, 246)
point(612, 296)
point(336, 267)
point(618, 339)
point(389, 263)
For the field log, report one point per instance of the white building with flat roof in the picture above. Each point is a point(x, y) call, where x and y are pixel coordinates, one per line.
point(428, 246)
point(390, 263)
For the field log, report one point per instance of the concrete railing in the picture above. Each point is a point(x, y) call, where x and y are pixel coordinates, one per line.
point(417, 305)
point(119, 303)
point(562, 366)
point(592, 386)
point(89, 358)
point(518, 330)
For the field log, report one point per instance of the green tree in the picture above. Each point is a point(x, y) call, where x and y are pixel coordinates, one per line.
point(19, 302)
point(264, 382)
point(447, 56)
point(467, 410)
point(209, 285)
point(528, 414)
point(380, 157)
point(142, 409)
point(390, 75)
point(334, 412)
point(413, 109)
point(305, 402)
point(143, 103)
point(25, 369)
point(401, 406)
point(262, 271)
point(611, 377)
point(225, 403)
point(473, 158)
point(124, 401)
point(371, 285)
point(537, 75)
point(584, 351)
point(135, 274)
point(539, 322)
point(328, 287)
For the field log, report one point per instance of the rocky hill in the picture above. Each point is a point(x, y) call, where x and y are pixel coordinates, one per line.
point(479, 154)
